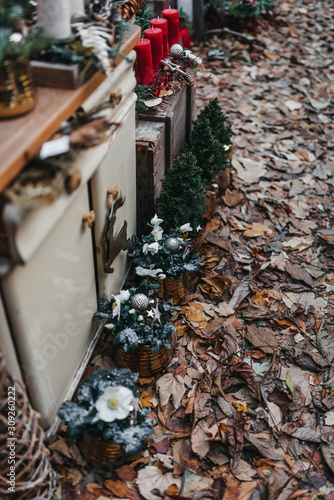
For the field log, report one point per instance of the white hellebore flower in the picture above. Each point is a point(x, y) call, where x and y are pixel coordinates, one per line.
point(141, 271)
point(114, 404)
point(145, 247)
point(122, 297)
point(153, 248)
point(109, 326)
point(185, 228)
point(156, 221)
point(157, 232)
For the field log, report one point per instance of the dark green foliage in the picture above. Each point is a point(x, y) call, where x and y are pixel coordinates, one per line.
point(220, 127)
point(80, 417)
point(143, 94)
point(209, 151)
point(144, 17)
point(34, 42)
point(11, 13)
point(243, 8)
point(134, 327)
point(182, 198)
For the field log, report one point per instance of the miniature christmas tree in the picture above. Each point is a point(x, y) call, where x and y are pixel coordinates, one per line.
point(182, 197)
point(220, 127)
point(209, 151)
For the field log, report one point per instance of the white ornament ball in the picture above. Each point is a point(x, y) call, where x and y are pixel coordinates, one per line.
point(140, 301)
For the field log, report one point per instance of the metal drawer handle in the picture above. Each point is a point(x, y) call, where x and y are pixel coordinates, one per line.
point(89, 219)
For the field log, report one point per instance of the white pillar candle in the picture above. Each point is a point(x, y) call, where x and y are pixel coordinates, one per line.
point(77, 9)
point(55, 17)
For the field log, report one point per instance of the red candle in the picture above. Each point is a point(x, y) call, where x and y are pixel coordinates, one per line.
point(161, 23)
point(155, 37)
point(186, 38)
point(143, 66)
point(172, 16)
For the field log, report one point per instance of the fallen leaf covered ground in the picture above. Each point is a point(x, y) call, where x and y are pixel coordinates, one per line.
point(246, 408)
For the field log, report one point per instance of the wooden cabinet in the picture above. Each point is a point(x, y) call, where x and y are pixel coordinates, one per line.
point(52, 295)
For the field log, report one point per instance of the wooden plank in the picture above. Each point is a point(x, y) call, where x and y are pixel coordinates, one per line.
point(22, 137)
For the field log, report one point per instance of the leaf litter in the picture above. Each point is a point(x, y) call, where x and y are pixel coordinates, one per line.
point(245, 409)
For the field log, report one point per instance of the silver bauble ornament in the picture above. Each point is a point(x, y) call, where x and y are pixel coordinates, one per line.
point(176, 50)
point(172, 244)
point(140, 301)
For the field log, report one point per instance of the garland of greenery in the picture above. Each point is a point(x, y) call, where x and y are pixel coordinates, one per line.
point(144, 17)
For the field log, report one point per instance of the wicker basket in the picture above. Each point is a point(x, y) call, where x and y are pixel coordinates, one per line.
point(95, 449)
point(171, 289)
point(142, 360)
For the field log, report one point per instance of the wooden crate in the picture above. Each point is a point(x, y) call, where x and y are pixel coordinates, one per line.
point(151, 166)
point(160, 135)
point(177, 117)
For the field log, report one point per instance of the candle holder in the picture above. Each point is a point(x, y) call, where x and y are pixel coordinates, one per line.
point(17, 93)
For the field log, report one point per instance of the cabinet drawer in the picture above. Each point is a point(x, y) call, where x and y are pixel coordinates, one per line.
point(50, 301)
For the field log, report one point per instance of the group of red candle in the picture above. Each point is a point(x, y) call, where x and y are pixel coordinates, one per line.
point(164, 33)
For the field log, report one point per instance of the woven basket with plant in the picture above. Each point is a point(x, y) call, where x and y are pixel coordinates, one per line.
point(107, 421)
point(139, 328)
point(161, 255)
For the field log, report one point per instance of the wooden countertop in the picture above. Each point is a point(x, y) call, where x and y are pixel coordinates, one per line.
point(22, 137)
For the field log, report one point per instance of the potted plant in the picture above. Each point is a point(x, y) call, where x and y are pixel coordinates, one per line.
point(167, 258)
point(139, 327)
point(17, 91)
point(107, 422)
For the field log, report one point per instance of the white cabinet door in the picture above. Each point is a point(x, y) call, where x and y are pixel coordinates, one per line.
point(51, 300)
point(117, 168)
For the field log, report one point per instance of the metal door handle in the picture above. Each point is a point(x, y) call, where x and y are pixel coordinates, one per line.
point(89, 219)
point(116, 97)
